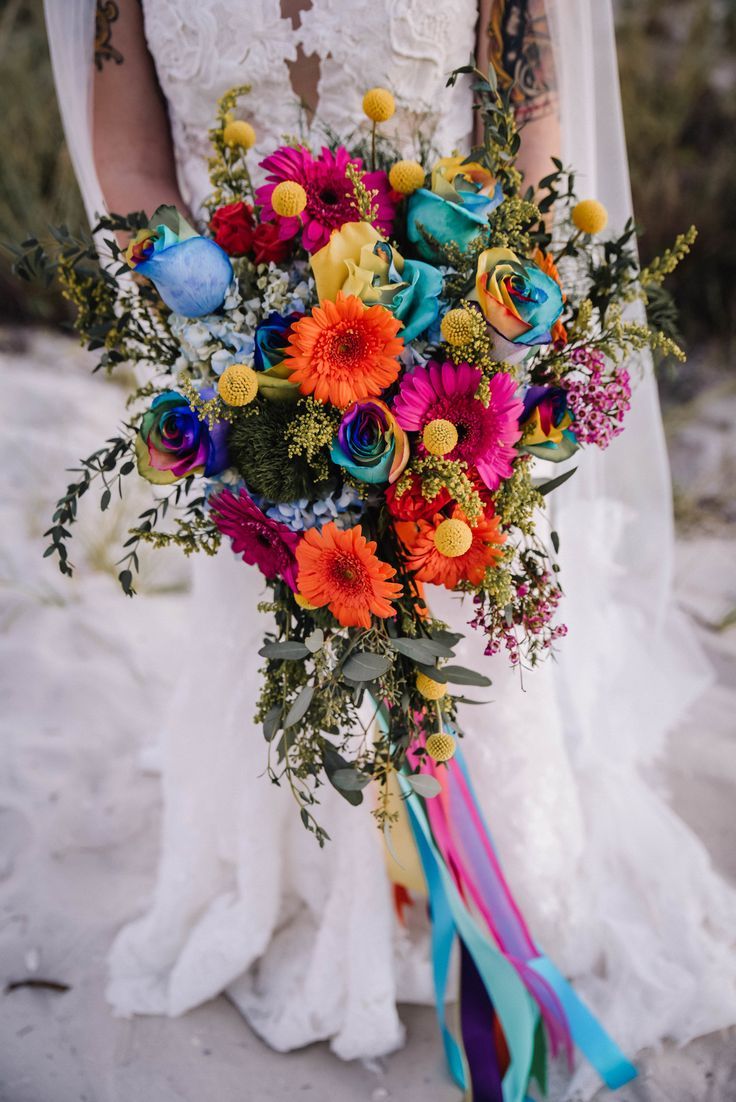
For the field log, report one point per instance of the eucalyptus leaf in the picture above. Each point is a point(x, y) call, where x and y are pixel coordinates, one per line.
point(290, 649)
point(425, 785)
point(272, 722)
point(350, 780)
point(461, 675)
point(300, 706)
point(464, 700)
point(421, 650)
point(366, 666)
point(435, 672)
point(447, 638)
point(334, 763)
point(315, 641)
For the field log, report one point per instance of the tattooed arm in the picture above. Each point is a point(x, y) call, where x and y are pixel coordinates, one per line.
point(130, 132)
point(513, 36)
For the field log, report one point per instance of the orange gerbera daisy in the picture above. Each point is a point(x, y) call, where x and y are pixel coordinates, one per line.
point(431, 566)
point(345, 351)
point(340, 569)
point(546, 262)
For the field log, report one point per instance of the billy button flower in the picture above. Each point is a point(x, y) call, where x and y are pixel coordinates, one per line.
point(589, 216)
point(379, 105)
point(406, 177)
point(238, 134)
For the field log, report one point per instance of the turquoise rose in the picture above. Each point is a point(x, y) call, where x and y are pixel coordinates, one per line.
point(456, 208)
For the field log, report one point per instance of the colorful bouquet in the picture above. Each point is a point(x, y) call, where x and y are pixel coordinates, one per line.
point(353, 374)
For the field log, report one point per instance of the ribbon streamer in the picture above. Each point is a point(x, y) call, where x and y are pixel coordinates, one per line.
point(509, 988)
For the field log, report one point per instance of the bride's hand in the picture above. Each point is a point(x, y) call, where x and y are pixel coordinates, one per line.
point(131, 134)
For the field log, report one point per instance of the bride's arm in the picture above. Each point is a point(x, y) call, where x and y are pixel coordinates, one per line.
point(130, 132)
point(513, 36)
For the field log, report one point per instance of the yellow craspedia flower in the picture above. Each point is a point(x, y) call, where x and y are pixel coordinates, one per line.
point(453, 537)
point(238, 385)
point(288, 199)
point(429, 689)
point(304, 603)
point(406, 176)
point(439, 436)
point(457, 327)
point(239, 133)
point(440, 746)
point(378, 104)
point(590, 216)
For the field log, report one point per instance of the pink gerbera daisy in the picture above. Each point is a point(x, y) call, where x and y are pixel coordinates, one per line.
point(486, 434)
point(261, 541)
point(330, 194)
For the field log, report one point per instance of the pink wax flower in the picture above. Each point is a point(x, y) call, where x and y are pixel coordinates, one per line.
point(598, 398)
point(330, 194)
point(486, 434)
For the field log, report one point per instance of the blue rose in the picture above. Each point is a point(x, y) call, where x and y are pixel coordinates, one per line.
point(191, 273)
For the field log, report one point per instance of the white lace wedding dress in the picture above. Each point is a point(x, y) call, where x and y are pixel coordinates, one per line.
point(617, 890)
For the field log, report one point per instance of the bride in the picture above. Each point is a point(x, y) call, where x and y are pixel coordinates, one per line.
point(305, 941)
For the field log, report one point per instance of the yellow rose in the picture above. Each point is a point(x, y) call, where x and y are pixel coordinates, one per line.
point(357, 261)
point(348, 263)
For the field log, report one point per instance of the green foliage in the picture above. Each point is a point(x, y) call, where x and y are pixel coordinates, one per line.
point(260, 448)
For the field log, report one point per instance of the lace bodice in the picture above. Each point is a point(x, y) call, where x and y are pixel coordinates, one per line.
point(409, 46)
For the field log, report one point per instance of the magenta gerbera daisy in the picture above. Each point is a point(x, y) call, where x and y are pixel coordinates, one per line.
point(261, 541)
point(486, 434)
point(330, 194)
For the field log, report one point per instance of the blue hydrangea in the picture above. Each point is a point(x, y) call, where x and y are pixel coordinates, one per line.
point(343, 507)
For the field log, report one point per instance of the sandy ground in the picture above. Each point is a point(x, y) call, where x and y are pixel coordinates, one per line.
point(79, 817)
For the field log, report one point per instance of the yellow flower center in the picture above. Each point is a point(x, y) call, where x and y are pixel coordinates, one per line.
point(238, 385)
point(289, 199)
point(429, 689)
point(440, 746)
point(378, 104)
point(406, 176)
point(453, 538)
point(590, 216)
point(239, 134)
point(304, 603)
point(439, 436)
point(457, 327)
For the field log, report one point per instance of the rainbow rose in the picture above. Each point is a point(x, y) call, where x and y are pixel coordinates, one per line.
point(520, 303)
point(370, 444)
point(272, 340)
point(455, 208)
point(173, 443)
point(191, 273)
point(359, 262)
point(546, 422)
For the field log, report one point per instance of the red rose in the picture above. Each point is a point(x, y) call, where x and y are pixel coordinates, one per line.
point(232, 228)
point(412, 505)
point(267, 246)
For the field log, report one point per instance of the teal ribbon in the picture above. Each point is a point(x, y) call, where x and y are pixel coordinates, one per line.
point(515, 1007)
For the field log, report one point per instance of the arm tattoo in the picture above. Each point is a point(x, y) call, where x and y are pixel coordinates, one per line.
point(520, 50)
point(106, 12)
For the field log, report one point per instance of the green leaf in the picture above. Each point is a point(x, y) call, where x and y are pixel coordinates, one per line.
point(300, 706)
point(272, 722)
point(461, 675)
point(366, 666)
point(555, 541)
point(464, 700)
point(334, 763)
point(350, 780)
point(289, 650)
point(425, 785)
point(315, 641)
point(547, 487)
point(447, 638)
point(105, 500)
point(421, 650)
